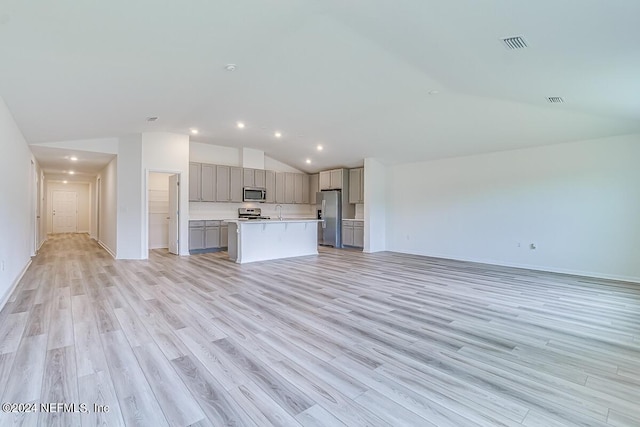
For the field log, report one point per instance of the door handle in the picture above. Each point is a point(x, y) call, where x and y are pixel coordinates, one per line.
point(324, 223)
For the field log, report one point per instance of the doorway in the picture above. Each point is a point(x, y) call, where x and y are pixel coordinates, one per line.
point(163, 224)
point(65, 211)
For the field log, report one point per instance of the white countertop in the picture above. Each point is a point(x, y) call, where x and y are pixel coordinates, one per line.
point(353, 219)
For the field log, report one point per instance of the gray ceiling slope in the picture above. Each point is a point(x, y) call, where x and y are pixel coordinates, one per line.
point(355, 76)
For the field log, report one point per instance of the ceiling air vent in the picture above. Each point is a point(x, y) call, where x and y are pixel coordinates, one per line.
point(152, 119)
point(516, 42)
point(555, 99)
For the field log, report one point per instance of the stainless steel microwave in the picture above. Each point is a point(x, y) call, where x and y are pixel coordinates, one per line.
point(254, 194)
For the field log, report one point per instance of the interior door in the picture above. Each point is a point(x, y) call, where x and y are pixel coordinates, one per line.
point(174, 214)
point(65, 211)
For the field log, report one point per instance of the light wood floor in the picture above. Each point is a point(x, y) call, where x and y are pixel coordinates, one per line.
point(341, 339)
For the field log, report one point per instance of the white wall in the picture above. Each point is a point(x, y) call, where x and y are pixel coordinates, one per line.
point(16, 216)
point(167, 152)
point(275, 165)
point(131, 199)
point(84, 203)
point(214, 154)
point(375, 206)
point(108, 209)
point(252, 158)
point(579, 203)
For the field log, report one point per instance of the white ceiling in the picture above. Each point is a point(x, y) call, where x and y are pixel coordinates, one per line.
point(56, 161)
point(352, 75)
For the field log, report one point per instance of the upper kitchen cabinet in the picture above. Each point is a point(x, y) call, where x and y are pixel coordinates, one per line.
point(332, 180)
point(260, 178)
point(223, 186)
point(249, 178)
point(314, 187)
point(254, 177)
point(235, 188)
point(289, 187)
point(208, 183)
point(356, 185)
point(305, 189)
point(228, 184)
point(270, 186)
point(195, 181)
point(280, 184)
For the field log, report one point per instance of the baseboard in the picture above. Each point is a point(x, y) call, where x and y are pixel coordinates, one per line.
point(106, 248)
point(581, 273)
point(13, 287)
point(41, 243)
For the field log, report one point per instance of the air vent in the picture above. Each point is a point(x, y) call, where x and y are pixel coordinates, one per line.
point(152, 119)
point(555, 99)
point(516, 42)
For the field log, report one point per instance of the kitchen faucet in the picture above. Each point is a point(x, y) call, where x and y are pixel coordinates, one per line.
point(279, 207)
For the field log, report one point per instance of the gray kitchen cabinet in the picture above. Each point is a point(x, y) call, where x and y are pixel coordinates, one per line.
point(358, 234)
point(289, 187)
point(325, 180)
point(347, 233)
point(208, 183)
point(305, 188)
point(298, 188)
point(223, 175)
point(224, 236)
point(254, 177)
point(248, 177)
point(356, 185)
point(336, 179)
point(206, 236)
point(212, 237)
point(270, 186)
point(332, 180)
point(260, 178)
point(194, 182)
point(353, 233)
point(235, 189)
point(196, 235)
point(280, 187)
point(314, 187)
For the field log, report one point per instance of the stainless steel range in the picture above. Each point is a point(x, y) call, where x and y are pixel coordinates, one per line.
point(251, 213)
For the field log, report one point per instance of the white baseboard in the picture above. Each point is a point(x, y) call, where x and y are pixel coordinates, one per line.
point(13, 287)
point(106, 248)
point(581, 273)
point(41, 243)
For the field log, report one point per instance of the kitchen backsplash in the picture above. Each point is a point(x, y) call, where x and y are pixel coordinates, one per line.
point(359, 211)
point(204, 210)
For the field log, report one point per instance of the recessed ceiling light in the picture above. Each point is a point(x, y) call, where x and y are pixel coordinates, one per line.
point(64, 182)
point(277, 134)
point(152, 119)
point(73, 158)
point(240, 125)
point(71, 173)
point(308, 161)
point(319, 147)
point(230, 67)
point(194, 131)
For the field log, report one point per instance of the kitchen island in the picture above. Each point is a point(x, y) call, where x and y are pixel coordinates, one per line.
point(261, 240)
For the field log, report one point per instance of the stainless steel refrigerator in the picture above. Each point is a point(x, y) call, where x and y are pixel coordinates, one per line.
point(329, 207)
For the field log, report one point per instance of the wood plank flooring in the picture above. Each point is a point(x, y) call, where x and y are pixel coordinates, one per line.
point(339, 339)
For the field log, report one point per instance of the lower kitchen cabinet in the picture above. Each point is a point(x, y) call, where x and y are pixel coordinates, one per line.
point(353, 233)
point(207, 236)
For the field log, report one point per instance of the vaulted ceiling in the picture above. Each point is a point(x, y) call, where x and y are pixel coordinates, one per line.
point(403, 81)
